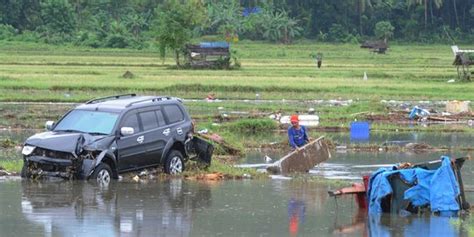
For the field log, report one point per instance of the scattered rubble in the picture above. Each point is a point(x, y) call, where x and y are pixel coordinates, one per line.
point(3, 172)
point(209, 176)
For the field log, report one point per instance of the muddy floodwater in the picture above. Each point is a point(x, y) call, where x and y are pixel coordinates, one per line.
point(176, 207)
point(282, 206)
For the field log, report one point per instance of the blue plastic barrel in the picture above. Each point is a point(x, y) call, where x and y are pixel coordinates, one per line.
point(360, 131)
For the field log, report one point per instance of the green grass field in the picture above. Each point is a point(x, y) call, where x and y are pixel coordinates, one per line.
point(31, 72)
point(37, 72)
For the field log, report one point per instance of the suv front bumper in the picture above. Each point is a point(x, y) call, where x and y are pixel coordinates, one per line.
point(54, 167)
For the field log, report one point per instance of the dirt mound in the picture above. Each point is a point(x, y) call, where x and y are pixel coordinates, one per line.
point(128, 75)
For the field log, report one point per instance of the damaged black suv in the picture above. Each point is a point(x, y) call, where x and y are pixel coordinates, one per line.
point(107, 136)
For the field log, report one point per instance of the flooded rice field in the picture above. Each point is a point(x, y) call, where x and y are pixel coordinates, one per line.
point(282, 206)
point(183, 208)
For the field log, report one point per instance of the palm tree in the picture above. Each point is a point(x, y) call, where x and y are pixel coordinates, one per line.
point(362, 6)
point(456, 12)
point(438, 4)
point(225, 16)
point(279, 26)
point(135, 23)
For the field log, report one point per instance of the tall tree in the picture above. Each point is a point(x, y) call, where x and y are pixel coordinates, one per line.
point(174, 24)
point(58, 16)
point(438, 4)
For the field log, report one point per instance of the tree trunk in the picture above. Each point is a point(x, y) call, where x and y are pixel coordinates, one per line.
point(456, 13)
point(359, 10)
point(431, 12)
point(426, 14)
point(176, 53)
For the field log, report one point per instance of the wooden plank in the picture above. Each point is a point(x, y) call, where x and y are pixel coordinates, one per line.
point(302, 160)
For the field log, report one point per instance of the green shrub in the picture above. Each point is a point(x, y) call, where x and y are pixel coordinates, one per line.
point(7, 31)
point(7, 143)
point(252, 125)
point(86, 38)
point(338, 33)
point(27, 36)
point(116, 41)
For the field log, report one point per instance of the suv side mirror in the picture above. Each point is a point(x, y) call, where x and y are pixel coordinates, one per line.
point(125, 131)
point(49, 125)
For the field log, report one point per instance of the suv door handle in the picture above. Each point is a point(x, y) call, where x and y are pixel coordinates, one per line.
point(179, 131)
point(166, 132)
point(140, 139)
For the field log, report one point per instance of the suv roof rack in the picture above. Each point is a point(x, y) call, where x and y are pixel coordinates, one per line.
point(154, 99)
point(114, 97)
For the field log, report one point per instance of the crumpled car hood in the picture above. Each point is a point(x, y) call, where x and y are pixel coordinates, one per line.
point(60, 141)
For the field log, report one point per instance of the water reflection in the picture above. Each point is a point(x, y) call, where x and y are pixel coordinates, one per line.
point(296, 214)
point(429, 225)
point(181, 208)
point(122, 209)
point(358, 225)
point(393, 225)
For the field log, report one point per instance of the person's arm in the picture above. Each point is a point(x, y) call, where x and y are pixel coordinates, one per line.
point(305, 136)
point(291, 138)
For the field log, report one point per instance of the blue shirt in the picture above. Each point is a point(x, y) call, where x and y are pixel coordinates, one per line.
point(297, 137)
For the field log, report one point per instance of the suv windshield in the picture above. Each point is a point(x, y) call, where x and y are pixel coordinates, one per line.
point(93, 122)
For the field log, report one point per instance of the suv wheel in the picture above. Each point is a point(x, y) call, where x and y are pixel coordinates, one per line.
point(174, 162)
point(102, 174)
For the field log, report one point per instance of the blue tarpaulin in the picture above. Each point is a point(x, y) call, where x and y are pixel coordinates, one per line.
point(219, 44)
point(437, 188)
point(418, 112)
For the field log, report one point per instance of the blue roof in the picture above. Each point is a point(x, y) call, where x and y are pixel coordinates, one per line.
point(220, 44)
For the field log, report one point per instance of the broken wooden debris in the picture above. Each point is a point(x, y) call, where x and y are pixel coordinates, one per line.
point(302, 160)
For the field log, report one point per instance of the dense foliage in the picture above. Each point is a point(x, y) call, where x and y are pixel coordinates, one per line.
point(140, 23)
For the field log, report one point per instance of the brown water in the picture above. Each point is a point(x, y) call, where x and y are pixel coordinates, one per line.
point(175, 207)
point(183, 208)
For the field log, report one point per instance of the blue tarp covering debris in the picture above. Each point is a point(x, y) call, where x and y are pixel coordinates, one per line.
point(437, 188)
point(417, 112)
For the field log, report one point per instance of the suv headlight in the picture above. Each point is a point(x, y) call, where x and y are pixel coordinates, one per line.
point(27, 150)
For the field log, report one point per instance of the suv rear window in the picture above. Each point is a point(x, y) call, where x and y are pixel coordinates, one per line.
point(174, 113)
point(161, 119)
point(148, 120)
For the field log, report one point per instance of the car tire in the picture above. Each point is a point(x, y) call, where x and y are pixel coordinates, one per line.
point(174, 163)
point(102, 174)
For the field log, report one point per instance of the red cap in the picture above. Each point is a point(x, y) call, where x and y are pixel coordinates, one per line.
point(294, 118)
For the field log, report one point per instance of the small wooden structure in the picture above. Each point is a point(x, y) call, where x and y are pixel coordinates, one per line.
point(208, 55)
point(378, 46)
point(462, 60)
point(302, 160)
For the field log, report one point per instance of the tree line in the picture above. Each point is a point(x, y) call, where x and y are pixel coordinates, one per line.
point(141, 23)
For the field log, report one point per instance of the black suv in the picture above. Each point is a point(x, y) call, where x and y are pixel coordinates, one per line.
point(107, 136)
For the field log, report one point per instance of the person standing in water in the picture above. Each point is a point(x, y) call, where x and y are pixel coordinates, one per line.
point(297, 135)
